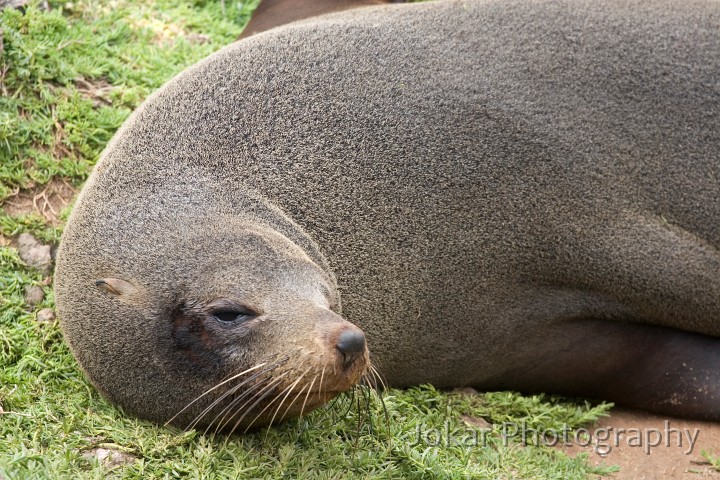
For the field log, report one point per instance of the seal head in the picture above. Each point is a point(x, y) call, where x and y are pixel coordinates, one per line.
point(246, 333)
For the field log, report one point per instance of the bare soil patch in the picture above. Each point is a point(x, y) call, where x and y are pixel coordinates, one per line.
point(46, 200)
point(672, 456)
point(97, 90)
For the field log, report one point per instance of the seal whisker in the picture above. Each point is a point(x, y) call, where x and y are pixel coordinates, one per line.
point(267, 391)
point(213, 388)
point(231, 411)
point(289, 390)
point(368, 380)
point(322, 377)
point(302, 409)
point(230, 391)
point(378, 376)
point(232, 376)
point(359, 424)
point(329, 408)
point(228, 410)
point(351, 404)
point(367, 397)
point(335, 404)
point(295, 400)
point(371, 376)
point(222, 397)
point(273, 401)
point(258, 397)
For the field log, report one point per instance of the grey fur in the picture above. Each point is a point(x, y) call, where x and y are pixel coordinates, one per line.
point(500, 188)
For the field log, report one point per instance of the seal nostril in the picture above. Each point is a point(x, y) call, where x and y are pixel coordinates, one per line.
point(351, 342)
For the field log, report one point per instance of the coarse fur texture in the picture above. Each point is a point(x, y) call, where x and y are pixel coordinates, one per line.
point(502, 193)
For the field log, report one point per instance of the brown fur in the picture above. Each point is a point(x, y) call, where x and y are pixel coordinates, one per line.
point(504, 194)
point(273, 13)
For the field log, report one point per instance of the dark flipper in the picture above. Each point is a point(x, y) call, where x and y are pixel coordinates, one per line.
point(659, 369)
point(273, 13)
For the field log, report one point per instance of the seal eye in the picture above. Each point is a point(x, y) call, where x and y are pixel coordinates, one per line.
point(235, 315)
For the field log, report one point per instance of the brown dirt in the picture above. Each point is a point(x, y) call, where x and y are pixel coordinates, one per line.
point(97, 90)
point(666, 460)
point(46, 200)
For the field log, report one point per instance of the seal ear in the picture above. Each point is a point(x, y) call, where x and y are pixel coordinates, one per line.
point(116, 286)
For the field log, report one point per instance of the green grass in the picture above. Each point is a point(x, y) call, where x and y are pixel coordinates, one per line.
point(69, 77)
point(72, 75)
point(713, 460)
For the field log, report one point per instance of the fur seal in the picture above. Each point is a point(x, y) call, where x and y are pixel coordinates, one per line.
point(504, 194)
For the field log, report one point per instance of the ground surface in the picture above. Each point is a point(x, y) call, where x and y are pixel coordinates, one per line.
point(69, 76)
point(664, 451)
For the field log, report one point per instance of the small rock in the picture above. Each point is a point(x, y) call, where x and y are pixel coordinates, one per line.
point(197, 38)
point(108, 457)
point(43, 5)
point(34, 253)
point(45, 315)
point(12, 3)
point(477, 422)
point(34, 295)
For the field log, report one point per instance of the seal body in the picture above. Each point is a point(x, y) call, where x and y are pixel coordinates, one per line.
point(502, 194)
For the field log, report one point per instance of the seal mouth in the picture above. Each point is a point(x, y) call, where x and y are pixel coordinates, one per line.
point(272, 392)
point(321, 397)
point(310, 401)
point(272, 411)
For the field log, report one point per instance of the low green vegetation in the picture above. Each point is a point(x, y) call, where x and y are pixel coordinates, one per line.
point(713, 460)
point(69, 76)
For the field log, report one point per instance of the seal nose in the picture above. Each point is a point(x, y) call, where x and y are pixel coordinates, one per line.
point(351, 343)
